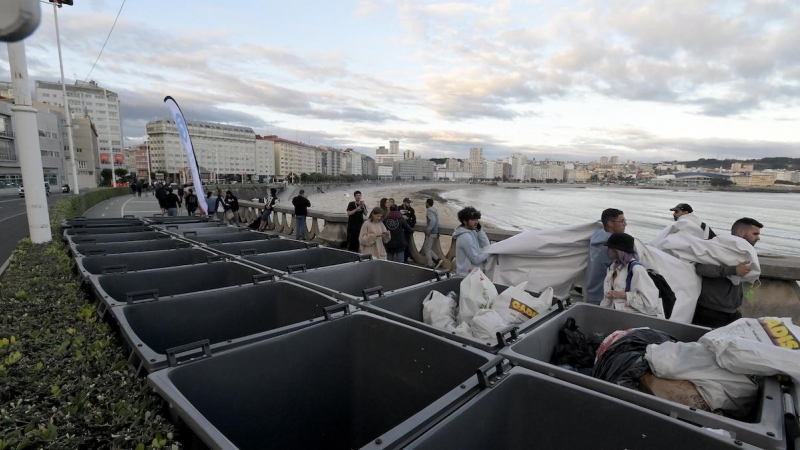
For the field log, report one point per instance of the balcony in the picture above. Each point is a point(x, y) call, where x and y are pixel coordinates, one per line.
point(7, 133)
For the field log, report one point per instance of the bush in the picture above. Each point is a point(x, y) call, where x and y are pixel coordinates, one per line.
point(64, 382)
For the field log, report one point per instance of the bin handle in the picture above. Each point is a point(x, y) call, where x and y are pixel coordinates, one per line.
point(512, 330)
point(151, 293)
point(172, 353)
point(247, 251)
point(213, 241)
point(329, 311)
point(258, 278)
point(172, 227)
point(296, 267)
point(181, 244)
point(364, 257)
point(128, 216)
point(374, 290)
point(96, 252)
point(120, 268)
point(214, 258)
point(442, 274)
point(273, 236)
point(158, 215)
point(189, 233)
point(483, 373)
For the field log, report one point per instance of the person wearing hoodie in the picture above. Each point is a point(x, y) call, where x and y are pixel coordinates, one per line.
point(470, 241)
point(613, 221)
point(398, 227)
point(431, 231)
point(685, 212)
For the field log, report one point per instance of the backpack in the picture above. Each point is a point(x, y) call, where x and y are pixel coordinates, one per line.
point(664, 291)
point(711, 234)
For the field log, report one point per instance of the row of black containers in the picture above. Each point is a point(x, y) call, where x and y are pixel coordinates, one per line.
point(257, 341)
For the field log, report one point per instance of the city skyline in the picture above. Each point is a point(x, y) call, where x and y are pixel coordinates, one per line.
point(573, 81)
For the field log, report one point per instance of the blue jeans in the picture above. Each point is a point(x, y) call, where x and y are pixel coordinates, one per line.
point(398, 256)
point(172, 212)
point(301, 227)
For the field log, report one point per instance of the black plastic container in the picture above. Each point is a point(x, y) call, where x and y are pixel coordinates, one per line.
point(106, 230)
point(227, 319)
point(83, 222)
point(305, 259)
point(535, 350)
point(260, 247)
point(349, 282)
point(160, 219)
point(128, 247)
point(128, 288)
point(357, 381)
point(241, 236)
point(406, 307)
point(526, 410)
point(116, 237)
point(132, 262)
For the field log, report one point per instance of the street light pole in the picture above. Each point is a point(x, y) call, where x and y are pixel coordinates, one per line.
point(73, 164)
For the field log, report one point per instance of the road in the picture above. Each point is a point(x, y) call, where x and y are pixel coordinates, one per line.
point(126, 204)
point(14, 220)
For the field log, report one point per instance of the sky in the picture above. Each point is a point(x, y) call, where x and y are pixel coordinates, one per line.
point(573, 80)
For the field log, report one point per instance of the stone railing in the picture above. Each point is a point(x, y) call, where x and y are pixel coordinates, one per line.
point(778, 294)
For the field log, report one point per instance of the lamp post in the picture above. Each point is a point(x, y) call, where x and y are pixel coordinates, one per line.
point(73, 164)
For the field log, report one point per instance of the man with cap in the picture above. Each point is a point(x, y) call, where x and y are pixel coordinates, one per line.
point(642, 295)
point(685, 212)
point(613, 221)
point(411, 218)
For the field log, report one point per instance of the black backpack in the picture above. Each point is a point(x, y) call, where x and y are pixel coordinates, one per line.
point(664, 291)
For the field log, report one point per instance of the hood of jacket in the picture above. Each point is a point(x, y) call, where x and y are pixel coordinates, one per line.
point(460, 230)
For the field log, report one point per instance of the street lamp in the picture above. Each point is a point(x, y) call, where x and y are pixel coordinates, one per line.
point(73, 164)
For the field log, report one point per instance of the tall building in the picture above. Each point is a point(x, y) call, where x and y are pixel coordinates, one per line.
point(604, 160)
point(369, 168)
point(352, 163)
point(295, 158)
point(103, 108)
point(265, 159)
point(394, 147)
point(226, 151)
point(452, 164)
point(142, 163)
point(614, 160)
point(476, 154)
point(381, 150)
point(408, 154)
point(414, 169)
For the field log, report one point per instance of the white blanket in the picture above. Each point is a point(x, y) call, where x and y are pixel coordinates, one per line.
point(680, 275)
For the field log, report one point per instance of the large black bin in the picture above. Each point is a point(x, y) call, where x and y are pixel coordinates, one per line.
point(259, 247)
point(189, 226)
point(191, 233)
point(305, 259)
point(349, 282)
point(119, 289)
point(535, 350)
point(83, 222)
point(526, 410)
point(357, 381)
point(406, 306)
point(106, 230)
point(128, 247)
point(228, 319)
point(242, 236)
point(132, 262)
point(175, 219)
point(117, 237)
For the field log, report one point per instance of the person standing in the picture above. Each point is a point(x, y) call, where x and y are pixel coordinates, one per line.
point(720, 299)
point(222, 208)
point(384, 206)
point(373, 235)
point(171, 203)
point(613, 221)
point(431, 231)
point(301, 205)
point(233, 202)
point(642, 295)
point(181, 192)
point(685, 212)
point(191, 203)
point(398, 228)
point(269, 205)
point(411, 218)
point(356, 213)
point(161, 195)
point(470, 241)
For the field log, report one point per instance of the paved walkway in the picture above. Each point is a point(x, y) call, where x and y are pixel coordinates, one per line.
point(127, 204)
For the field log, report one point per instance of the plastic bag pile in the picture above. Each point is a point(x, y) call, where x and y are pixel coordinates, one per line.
point(480, 311)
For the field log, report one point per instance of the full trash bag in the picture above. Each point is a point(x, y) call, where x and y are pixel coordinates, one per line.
point(477, 293)
point(624, 362)
point(574, 348)
point(439, 310)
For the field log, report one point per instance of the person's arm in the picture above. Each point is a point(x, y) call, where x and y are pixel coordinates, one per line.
point(644, 295)
point(429, 222)
point(412, 219)
point(474, 255)
point(386, 235)
point(714, 271)
point(353, 210)
point(365, 237)
point(405, 225)
point(483, 239)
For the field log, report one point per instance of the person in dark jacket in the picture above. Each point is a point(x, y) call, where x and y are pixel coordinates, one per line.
point(269, 205)
point(192, 203)
point(356, 213)
point(161, 195)
point(301, 205)
point(172, 203)
point(234, 204)
point(222, 207)
point(411, 218)
point(398, 227)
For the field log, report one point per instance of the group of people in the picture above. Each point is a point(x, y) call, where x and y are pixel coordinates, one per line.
point(386, 231)
point(171, 202)
point(612, 256)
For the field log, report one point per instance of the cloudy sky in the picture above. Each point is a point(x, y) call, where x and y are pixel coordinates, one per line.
point(572, 80)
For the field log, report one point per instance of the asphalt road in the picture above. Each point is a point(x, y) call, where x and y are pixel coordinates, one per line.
point(14, 220)
point(126, 204)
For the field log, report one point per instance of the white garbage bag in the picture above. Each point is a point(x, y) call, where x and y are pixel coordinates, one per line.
point(439, 310)
point(486, 323)
point(477, 293)
point(516, 305)
point(464, 330)
point(722, 389)
point(765, 346)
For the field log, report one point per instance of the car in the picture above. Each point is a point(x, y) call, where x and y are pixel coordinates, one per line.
point(46, 190)
point(65, 188)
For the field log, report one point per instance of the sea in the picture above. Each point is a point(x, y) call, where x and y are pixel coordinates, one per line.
point(646, 210)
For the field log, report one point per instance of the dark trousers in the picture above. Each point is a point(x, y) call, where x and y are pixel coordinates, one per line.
point(352, 240)
point(409, 243)
point(706, 317)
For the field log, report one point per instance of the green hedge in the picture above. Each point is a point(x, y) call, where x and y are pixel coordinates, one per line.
point(63, 378)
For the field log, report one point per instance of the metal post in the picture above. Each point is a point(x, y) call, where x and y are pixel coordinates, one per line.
point(149, 175)
point(27, 138)
point(73, 164)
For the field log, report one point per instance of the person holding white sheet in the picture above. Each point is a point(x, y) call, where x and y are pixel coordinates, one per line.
point(685, 212)
point(613, 221)
point(635, 292)
point(720, 299)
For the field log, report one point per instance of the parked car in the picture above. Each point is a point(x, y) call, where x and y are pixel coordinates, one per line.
point(65, 188)
point(46, 190)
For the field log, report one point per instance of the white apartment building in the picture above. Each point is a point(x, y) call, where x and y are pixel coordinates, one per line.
point(103, 108)
point(295, 157)
point(351, 163)
point(223, 150)
point(265, 157)
point(476, 154)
